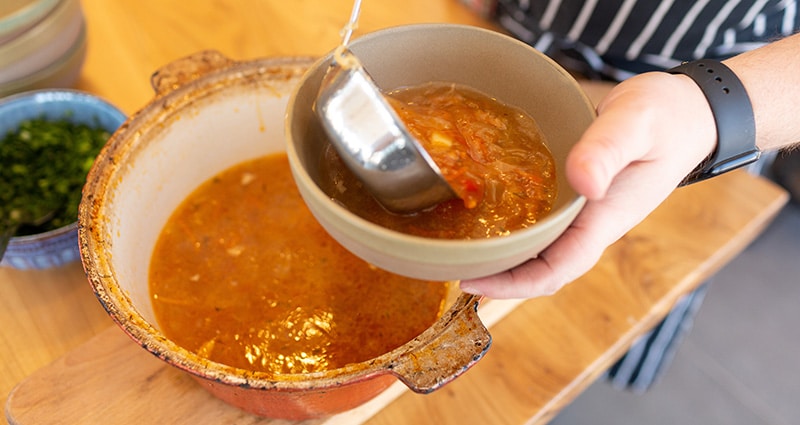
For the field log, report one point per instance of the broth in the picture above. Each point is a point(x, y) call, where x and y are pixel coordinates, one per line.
point(494, 157)
point(243, 275)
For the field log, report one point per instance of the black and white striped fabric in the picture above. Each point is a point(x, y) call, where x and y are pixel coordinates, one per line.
point(616, 39)
point(647, 359)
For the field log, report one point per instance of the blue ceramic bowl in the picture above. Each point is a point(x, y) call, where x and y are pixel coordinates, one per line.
point(60, 246)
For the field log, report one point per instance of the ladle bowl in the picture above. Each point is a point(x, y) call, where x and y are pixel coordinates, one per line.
point(373, 142)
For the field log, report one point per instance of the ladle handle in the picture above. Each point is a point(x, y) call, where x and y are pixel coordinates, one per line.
point(347, 31)
point(187, 69)
point(463, 341)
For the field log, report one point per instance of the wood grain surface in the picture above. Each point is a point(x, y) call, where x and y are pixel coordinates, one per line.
point(545, 351)
point(44, 314)
point(128, 40)
point(111, 380)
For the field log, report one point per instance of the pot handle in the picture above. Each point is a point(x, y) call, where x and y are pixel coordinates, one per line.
point(462, 341)
point(187, 69)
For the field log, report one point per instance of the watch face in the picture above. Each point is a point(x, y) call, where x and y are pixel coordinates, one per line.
point(712, 167)
point(727, 164)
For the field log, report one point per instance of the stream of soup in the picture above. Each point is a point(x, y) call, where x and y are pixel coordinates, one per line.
point(493, 155)
point(242, 274)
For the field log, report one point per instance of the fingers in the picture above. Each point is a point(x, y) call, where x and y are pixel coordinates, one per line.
point(543, 275)
point(569, 257)
point(639, 121)
point(610, 144)
point(626, 163)
point(636, 191)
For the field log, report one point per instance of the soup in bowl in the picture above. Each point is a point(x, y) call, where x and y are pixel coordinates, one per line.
point(500, 67)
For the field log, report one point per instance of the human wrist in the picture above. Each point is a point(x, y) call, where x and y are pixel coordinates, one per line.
point(769, 74)
point(695, 119)
point(733, 118)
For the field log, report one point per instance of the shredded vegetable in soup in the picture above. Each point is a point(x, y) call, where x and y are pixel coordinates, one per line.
point(243, 275)
point(494, 156)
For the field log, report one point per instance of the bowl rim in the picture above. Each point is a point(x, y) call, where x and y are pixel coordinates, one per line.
point(450, 248)
point(73, 57)
point(45, 42)
point(68, 93)
point(38, 237)
point(24, 18)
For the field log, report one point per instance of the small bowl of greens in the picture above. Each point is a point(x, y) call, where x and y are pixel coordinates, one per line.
point(48, 141)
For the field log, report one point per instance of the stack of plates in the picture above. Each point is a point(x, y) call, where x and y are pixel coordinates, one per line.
point(42, 44)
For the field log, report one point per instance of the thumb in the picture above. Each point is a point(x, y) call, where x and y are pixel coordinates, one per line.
point(617, 138)
point(641, 120)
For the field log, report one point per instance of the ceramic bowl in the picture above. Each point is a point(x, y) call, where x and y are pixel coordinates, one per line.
point(490, 62)
point(17, 16)
point(209, 114)
point(60, 246)
point(42, 44)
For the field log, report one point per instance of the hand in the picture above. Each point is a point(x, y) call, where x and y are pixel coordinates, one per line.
point(651, 131)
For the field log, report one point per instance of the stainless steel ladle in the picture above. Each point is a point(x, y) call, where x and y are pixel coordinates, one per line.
point(372, 140)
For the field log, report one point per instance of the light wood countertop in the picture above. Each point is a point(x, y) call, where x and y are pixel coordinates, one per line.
point(545, 352)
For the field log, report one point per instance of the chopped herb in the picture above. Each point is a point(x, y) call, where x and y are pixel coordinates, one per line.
point(43, 167)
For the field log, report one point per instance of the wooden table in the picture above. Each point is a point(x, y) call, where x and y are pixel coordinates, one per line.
point(545, 352)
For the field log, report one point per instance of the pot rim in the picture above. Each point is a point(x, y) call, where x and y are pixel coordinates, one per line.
point(100, 272)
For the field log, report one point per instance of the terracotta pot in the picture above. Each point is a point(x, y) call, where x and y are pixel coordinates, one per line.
point(210, 113)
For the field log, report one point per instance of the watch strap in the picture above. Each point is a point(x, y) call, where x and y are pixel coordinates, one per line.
point(733, 116)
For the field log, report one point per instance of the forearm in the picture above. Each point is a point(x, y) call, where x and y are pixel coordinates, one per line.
point(771, 76)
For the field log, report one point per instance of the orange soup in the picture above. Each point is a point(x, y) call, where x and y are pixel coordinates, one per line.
point(243, 275)
point(494, 157)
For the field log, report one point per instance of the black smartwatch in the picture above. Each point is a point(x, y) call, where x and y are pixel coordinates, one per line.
point(733, 115)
